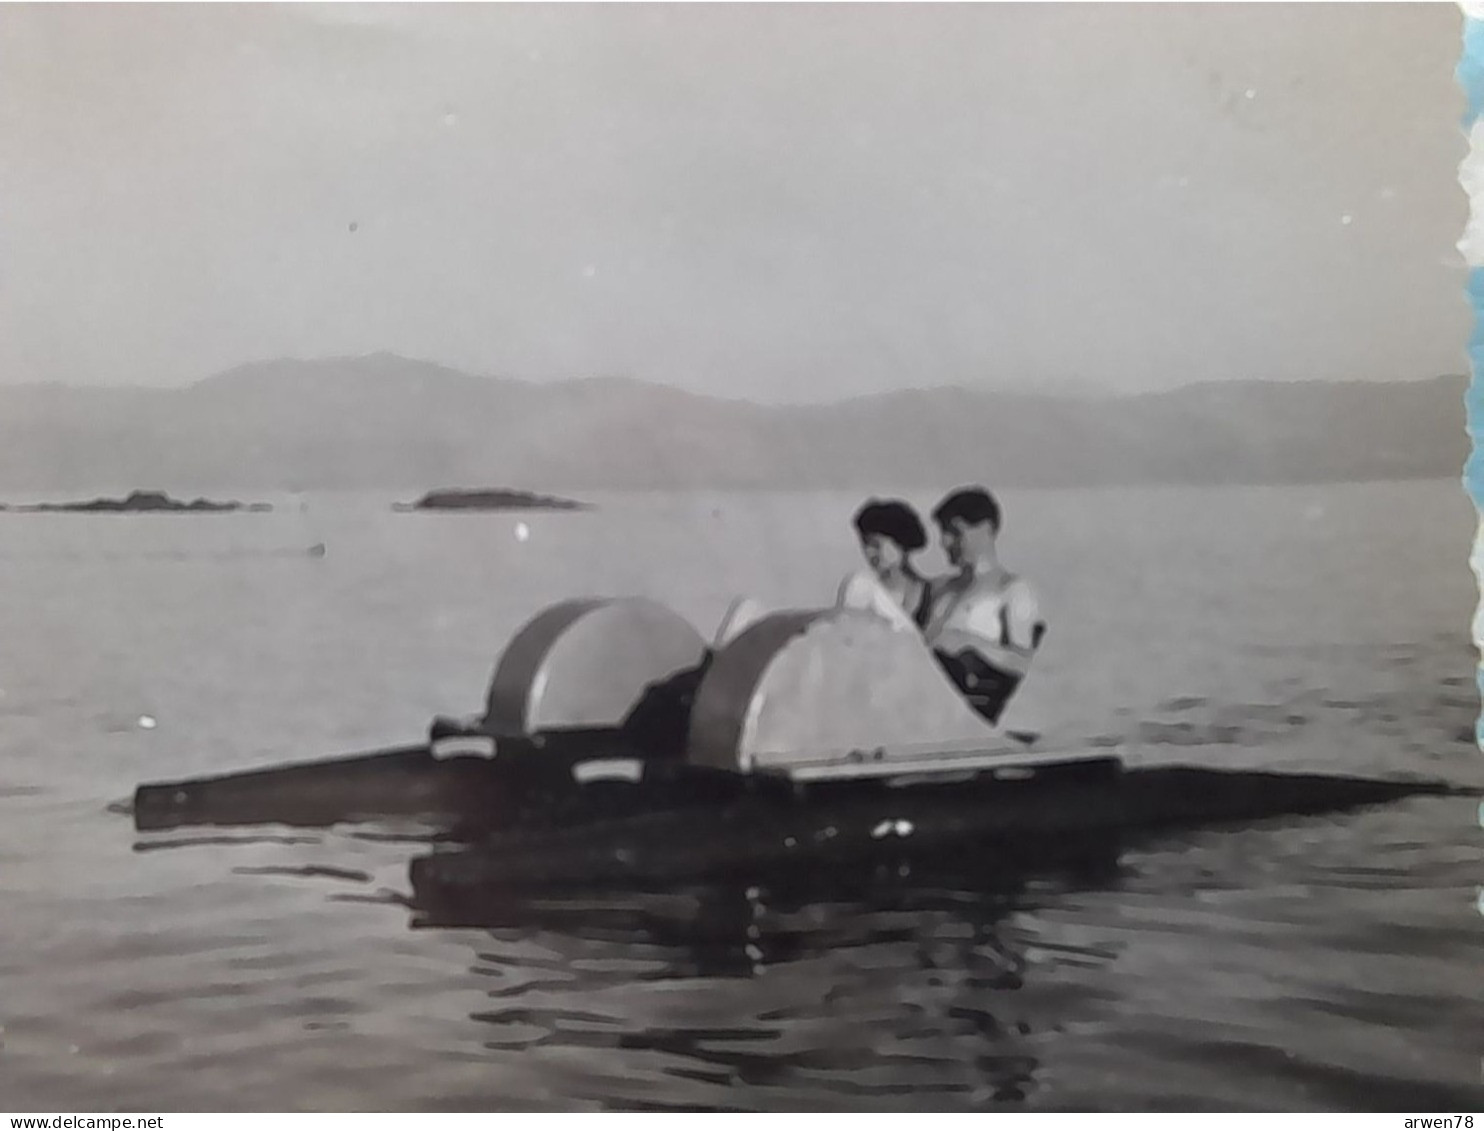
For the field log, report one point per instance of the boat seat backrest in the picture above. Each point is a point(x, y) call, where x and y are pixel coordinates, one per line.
point(583, 664)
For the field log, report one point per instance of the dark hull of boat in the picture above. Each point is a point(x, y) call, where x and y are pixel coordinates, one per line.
point(405, 781)
point(1081, 816)
point(533, 827)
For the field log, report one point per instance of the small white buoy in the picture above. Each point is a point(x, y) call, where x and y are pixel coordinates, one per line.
point(522, 532)
point(147, 722)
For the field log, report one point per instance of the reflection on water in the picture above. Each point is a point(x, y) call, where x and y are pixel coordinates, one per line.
point(1240, 968)
point(936, 1034)
point(1168, 979)
point(847, 990)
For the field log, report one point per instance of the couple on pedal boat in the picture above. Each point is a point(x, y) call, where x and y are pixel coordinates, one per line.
point(981, 621)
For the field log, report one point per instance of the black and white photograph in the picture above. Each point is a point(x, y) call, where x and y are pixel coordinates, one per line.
point(765, 557)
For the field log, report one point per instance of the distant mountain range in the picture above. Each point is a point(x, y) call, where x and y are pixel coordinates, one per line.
point(387, 422)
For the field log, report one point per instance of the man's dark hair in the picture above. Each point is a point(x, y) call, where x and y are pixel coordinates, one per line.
point(891, 518)
point(970, 506)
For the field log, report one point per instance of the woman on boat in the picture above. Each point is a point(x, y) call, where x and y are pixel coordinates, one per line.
point(890, 533)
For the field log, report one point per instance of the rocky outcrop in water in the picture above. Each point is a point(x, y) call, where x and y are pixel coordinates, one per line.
point(489, 500)
point(142, 502)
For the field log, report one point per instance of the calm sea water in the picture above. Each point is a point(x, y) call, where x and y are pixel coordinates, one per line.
point(1300, 963)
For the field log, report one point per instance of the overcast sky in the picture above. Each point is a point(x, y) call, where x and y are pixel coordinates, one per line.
point(780, 202)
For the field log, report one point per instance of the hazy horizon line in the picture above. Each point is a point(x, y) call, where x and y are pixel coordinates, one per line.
point(1065, 389)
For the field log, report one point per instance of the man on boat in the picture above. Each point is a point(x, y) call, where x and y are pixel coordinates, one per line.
point(984, 623)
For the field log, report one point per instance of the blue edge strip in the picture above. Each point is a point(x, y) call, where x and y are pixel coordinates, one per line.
point(1471, 78)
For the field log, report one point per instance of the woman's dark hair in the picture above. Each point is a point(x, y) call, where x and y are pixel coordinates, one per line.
point(891, 518)
point(970, 506)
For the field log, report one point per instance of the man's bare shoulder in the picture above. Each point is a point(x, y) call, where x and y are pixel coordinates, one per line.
point(999, 587)
point(988, 597)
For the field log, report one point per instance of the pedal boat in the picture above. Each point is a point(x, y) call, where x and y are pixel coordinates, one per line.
point(813, 737)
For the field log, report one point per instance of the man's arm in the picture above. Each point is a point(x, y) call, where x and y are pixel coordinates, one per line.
point(1024, 617)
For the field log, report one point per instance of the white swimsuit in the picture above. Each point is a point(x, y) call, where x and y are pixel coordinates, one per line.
point(863, 590)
